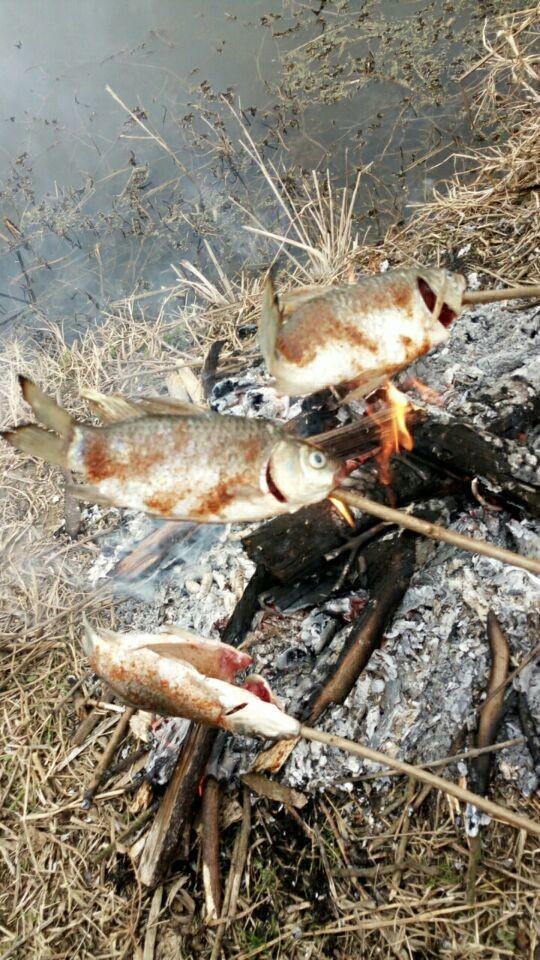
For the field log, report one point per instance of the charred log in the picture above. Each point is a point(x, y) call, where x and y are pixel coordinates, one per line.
point(509, 468)
point(291, 547)
point(390, 565)
point(174, 814)
point(246, 608)
point(209, 375)
point(210, 847)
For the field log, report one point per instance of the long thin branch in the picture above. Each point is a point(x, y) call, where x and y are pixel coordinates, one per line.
point(511, 293)
point(436, 532)
point(466, 796)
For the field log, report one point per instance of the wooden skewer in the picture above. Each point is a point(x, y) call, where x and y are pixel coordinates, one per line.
point(511, 293)
point(466, 796)
point(294, 298)
point(436, 532)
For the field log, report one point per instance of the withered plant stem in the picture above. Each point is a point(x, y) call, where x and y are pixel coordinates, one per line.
point(452, 789)
point(210, 847)
point(436, 532)
point(511, 293)
point(108, 754)
point(492, 709)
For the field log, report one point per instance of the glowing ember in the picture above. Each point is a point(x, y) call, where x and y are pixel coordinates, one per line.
point(395, 435)
point(343, 510)
point(427, 393)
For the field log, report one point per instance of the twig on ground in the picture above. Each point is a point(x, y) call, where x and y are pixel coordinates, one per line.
point(235, 874)
point(151, 926)
point(488, 726)
point(108, 754)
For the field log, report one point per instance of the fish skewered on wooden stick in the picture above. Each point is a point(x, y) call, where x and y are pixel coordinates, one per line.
point(357, 335)
point(140, 674)
point(188, 465)
point(167, 674)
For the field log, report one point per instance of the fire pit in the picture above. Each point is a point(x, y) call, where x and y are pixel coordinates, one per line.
point(374, 633)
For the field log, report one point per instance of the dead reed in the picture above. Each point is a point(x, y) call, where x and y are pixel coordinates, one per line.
point(345, 878)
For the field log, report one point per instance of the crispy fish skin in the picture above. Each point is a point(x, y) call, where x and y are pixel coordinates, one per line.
point(358, 334)
point(171, 686)
point(203, 467)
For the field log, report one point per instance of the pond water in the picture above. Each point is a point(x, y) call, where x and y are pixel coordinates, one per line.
point(94, 208)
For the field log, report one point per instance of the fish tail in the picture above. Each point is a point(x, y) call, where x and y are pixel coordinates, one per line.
point(270, 321)
point(37, 442)
point(46, 409)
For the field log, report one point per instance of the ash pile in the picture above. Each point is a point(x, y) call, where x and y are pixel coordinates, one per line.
point(375, 634)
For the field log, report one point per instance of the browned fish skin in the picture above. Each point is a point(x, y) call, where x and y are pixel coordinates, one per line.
point(199, 466)
point(203, 461)
point(358, 334)
point(167, 684)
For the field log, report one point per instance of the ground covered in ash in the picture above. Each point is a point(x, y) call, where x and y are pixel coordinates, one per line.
point(427, 681)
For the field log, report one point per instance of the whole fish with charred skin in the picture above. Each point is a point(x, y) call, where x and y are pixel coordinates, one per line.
point(360, 334)
point(191, 464)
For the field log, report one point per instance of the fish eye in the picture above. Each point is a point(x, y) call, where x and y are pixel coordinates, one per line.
point(317, 459)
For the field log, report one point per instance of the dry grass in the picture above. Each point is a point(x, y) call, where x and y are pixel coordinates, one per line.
point(53, 897)
point(298, 897)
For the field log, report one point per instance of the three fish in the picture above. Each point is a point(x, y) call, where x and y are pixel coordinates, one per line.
point(358, 334)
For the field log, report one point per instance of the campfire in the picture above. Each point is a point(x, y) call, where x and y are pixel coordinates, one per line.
point(371, 633)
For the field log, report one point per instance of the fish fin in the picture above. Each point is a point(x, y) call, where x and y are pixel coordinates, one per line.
point(93, 635)
point(46, 409)
point(157, 406)
point(37, 442)
point(295, 298)
point(88, 493)
point(112, 408)
point(367, 384)
point(270, 321)
point(168, 647)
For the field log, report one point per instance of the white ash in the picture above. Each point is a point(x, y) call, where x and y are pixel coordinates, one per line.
point(168, 736)
point(252, 395)
point(490, 363)
point(423, 686)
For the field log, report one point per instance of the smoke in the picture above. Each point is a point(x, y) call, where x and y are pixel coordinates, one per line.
point(139, 557)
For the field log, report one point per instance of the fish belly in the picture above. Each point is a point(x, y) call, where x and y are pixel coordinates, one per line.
point(369, 347)
point(179, 468)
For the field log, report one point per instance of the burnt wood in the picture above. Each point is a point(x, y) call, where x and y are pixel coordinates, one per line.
point(291, 547)
point(390, 565)
point(166, 832)
point(511, 469)
point(246, 608)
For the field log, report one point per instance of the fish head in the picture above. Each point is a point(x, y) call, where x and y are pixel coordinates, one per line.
point(298, 473)
point(442, 295)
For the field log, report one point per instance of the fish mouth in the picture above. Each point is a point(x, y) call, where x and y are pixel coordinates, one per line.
point(272, 485)
point(446, 314)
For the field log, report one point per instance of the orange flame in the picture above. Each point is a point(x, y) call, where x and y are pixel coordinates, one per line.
point(395, 435)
